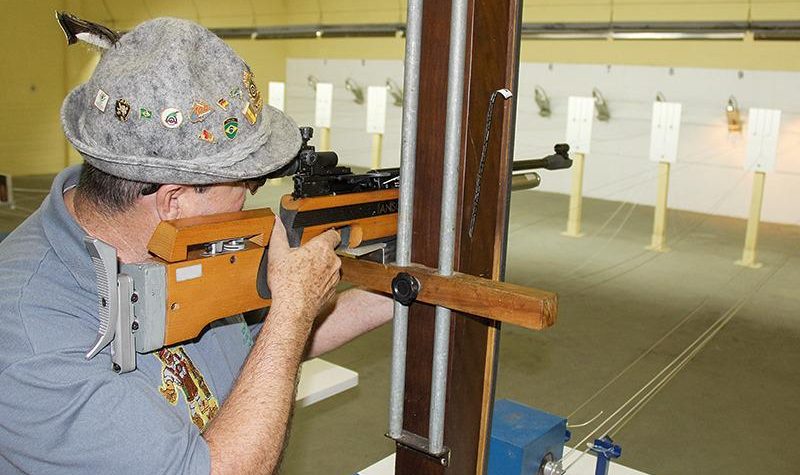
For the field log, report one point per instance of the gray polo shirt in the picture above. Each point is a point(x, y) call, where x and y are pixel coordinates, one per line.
point(60, 413)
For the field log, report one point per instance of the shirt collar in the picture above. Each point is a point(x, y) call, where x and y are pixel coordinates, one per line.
point(64, 233)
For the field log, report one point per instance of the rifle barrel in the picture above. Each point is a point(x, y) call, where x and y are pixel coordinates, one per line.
point(534, 164)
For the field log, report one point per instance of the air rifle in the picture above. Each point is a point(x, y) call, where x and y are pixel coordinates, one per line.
point(211, 267)
point(363, 206)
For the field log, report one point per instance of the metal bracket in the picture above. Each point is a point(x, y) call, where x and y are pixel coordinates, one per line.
point(372, 252)
point(123, 346)
point(421, 445)
point(120, 324)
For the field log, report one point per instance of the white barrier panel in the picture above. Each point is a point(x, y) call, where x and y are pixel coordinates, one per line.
point(664, 131)
point(580, 112)
point(706, 179)
point(324, 104)
point(376, 110)
point(277, 95)
point(763, 126)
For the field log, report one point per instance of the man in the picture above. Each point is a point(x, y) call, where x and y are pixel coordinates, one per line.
point(171, 125)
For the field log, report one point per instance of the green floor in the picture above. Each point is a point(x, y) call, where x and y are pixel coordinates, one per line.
point(731, 410)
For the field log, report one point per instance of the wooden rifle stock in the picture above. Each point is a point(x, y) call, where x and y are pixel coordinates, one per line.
point(202, 289)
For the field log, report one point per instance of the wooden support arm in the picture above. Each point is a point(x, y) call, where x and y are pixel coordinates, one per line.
point(509, 303)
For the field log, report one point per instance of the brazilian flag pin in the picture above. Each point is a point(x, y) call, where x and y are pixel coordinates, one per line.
point(231, 127)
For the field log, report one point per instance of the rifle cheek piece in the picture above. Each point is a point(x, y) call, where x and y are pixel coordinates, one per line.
point(405, 288)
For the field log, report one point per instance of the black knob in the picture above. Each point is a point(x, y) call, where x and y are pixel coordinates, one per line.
point(405, 288)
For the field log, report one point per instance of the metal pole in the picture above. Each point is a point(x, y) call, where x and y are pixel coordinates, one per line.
point(751, 236)
point(405, 216)
point(447, 233)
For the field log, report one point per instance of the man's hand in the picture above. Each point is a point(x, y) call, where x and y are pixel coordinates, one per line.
point(302, 280)
point(247, 435)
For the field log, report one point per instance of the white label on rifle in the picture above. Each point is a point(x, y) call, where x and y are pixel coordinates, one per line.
point(664, 131)
point(322, 116)
point(580, 112)
point(376, 110)
point(762, 139)
point(277, 95)
point(188, 272)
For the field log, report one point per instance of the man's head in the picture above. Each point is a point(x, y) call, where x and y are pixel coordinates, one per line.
point(171, 111)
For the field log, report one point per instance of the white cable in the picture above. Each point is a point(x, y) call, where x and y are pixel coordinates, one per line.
point(682, 360)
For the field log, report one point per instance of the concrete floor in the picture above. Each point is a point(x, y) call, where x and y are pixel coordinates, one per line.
point(731, 410)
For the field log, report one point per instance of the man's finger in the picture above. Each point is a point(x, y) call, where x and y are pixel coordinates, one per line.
point(331, 238)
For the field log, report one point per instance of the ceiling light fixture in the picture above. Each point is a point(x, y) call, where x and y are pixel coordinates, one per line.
point(358, 92)
point(600, 104)
point(395, 91)
point(542, 101)
point(733, 115)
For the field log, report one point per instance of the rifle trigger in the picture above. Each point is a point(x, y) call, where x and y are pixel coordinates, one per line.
point(345, 234)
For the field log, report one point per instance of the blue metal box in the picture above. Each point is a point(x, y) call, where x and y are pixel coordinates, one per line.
point(524, 437)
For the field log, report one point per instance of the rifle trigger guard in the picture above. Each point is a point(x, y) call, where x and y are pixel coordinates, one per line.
point(405, 288)
point(344, 233)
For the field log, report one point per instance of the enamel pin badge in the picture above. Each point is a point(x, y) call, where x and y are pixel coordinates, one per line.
point(200, 110)
point(207, 136)
point(101, 100)
point(171, 118)
point(231, 127)
point(121, 109)
point(255, 102)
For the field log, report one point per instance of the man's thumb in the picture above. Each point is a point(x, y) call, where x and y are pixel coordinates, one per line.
point(278, 242)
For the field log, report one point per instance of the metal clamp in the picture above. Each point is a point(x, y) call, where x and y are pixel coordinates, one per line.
point(421, 445)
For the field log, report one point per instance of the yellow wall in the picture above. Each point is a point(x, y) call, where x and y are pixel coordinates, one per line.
point(32, 79)
point(37, 69)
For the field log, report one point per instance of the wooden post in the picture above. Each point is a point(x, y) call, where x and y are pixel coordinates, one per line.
point(751, 236)
point(575, 198)
point(324, 139)
point(377, 149)
point(492, 57)
point(660, 217)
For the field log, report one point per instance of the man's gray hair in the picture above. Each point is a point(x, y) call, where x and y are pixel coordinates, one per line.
point(110, 194)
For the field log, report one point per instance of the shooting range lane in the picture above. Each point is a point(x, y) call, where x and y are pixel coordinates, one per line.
point(688, 361)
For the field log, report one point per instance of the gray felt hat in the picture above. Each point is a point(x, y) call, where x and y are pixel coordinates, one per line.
point(170, 102)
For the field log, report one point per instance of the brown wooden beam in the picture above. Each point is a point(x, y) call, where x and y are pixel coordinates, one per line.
point(491, 64)
point(507, 303)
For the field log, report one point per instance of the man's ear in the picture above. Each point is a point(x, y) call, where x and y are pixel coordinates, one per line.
point(168, 202)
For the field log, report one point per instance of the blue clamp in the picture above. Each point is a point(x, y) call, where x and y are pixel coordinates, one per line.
point(605, 449)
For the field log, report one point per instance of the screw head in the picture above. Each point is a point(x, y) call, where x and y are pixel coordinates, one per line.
point(117, 368)
point(135, 326)
point(233, 259)
point(134, 297)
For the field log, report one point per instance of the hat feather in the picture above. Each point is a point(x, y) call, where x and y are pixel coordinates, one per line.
point(77, 29)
